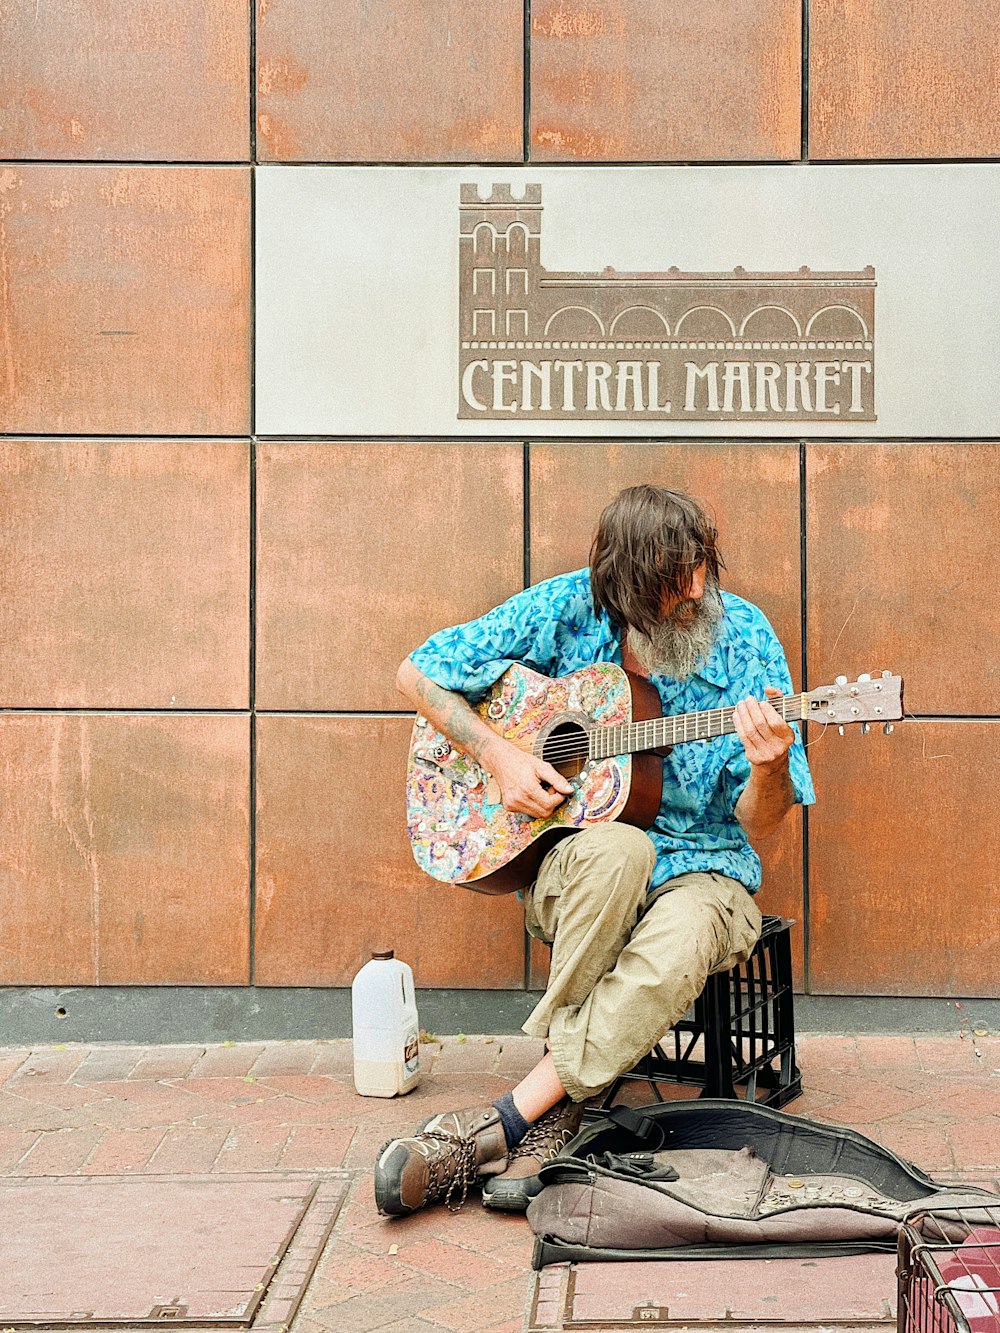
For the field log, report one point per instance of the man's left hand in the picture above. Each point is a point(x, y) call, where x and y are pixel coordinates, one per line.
point(766, 736)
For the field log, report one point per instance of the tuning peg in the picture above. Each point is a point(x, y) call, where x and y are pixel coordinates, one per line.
point(863, 677)
point(841, 680)
point(865, 728)
point(841, 730)
point(887, 729)
point(886, 675)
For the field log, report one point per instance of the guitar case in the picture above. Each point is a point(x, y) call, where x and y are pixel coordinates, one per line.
point(714, 1179)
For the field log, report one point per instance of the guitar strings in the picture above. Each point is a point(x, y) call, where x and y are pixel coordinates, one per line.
point(579, 745)
point(683, 723)
point(576, 747)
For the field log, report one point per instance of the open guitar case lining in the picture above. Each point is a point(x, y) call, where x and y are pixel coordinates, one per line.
point(753, 1183)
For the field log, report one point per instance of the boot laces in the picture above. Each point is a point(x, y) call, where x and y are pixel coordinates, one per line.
point(453, 1169)
point(543, 1139)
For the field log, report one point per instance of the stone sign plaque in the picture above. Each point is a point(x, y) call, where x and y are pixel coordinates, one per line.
point(656, 346)
point(627, 301)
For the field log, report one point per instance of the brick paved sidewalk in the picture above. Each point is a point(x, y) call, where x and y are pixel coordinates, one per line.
point(290, 1107)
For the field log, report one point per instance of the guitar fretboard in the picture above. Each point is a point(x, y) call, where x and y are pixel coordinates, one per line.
point(657, 732)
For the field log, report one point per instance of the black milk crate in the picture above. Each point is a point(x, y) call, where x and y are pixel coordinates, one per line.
point(949, 1271)
point(738, 1039)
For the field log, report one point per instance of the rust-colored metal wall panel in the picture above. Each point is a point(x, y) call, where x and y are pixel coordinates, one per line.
point(365, 549)
point(128, 297)
point(753, 490)
point(781, 893)
point(903, 849)
point(125, 855)
point(890, 80)
point(136, 81)
point(385, 81)
point(538, 965)
point(627, 81)
point(335, 875)
point(47, 927)
point(126, 574)
point(895, 533)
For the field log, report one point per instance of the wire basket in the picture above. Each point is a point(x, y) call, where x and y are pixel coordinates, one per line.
point(949, 1271)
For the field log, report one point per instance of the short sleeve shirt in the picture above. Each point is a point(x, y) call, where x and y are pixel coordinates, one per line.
point(553, 628)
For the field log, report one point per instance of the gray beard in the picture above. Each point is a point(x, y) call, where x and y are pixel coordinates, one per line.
point(677, 648)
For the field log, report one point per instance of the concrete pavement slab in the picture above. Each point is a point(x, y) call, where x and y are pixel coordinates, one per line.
point(811, 1292)
point(79, 1250)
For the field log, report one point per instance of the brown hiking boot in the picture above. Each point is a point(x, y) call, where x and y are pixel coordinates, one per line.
point(439, 1161)
point(514, 1189)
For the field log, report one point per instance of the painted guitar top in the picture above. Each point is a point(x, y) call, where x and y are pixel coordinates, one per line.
point(599, 726)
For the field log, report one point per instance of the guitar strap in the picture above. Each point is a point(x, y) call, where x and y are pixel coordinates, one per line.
point(630, 662)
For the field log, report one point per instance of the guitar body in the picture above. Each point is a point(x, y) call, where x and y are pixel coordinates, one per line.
point(459, 830)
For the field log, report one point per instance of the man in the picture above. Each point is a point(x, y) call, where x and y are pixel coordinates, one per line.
point(637, 920)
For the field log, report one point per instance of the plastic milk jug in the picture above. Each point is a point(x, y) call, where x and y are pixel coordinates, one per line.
point(385, 1026)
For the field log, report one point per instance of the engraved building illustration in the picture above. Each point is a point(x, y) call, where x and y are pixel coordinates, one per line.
point(689, 346)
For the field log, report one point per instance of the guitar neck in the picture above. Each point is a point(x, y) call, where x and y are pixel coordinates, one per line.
point(658, 732)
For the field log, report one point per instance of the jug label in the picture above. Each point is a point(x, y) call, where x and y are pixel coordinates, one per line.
point(411, 1053)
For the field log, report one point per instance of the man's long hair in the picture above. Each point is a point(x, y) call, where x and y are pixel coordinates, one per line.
point(649, 542)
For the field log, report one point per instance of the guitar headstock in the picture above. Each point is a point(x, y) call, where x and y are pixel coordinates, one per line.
point(866, 700)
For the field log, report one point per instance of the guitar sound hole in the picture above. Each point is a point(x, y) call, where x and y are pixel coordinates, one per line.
point(565, 748)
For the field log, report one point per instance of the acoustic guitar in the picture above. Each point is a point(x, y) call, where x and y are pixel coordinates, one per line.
point(601, 727)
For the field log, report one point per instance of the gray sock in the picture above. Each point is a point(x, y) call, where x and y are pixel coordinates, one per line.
point(514, 1124)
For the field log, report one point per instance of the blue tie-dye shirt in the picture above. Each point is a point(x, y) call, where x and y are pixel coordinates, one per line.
point(553, 628)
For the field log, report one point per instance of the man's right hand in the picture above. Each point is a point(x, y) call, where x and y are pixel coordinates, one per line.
point(528, 785)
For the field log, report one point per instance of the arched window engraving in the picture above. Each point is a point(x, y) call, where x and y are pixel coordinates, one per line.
point(837, 322)
point(485, 239)
point(517, 240)
point(639, 321)
point(704, 321)
point(772, 322)
point(574, 321)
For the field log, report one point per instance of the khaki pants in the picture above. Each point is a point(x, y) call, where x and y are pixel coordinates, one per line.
point(623, 971)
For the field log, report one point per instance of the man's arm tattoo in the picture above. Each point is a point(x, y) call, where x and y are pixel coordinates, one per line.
point(454, 716)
